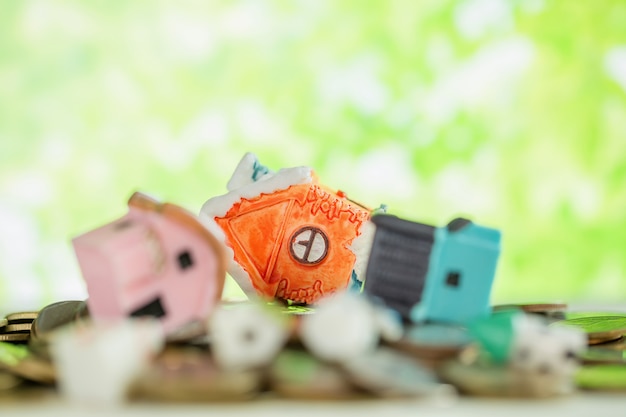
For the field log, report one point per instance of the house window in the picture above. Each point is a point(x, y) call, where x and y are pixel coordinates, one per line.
point(309, 245)
point(184, 260)
point(153, 308)
point(453, 279)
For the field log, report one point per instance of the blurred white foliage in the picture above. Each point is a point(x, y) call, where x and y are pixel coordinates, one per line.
point(19, 244)
point(615, 64)
point(386, 172)
point(357, 84)
point(476, 18)
point(482, 79)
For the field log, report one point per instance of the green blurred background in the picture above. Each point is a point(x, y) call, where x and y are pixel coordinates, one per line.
point(509, 112)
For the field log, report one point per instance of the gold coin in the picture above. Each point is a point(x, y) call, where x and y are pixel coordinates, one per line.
point(18, 328)
point(49, 319)
point(619, 344)
point(14, 337)
point(600, 355)
point(190, 375)
point(490, 380)
point(541, 308)
point(22, 317)
point(297, 374)
point(551, 311)
point(602, 377)
point(18, 361)
point(599, 329)
point(55, 316)
point(35, 369)
point(389, 373)
point(585, 314)
point(8, 381)
point(3, 322)
point(608, 338)
point(544, 307)
point(433, 341)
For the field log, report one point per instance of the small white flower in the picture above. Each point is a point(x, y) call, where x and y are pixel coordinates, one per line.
point(548, 353)
point(246, 336)
point(96, 363)
point(346, 325)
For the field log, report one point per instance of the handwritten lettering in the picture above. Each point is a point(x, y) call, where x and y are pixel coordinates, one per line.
point(333, 206)
point(299, 295)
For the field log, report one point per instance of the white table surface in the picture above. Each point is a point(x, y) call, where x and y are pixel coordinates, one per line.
point(578, 404)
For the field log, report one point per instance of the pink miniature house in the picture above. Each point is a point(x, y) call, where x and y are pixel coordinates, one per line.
point(158, 260)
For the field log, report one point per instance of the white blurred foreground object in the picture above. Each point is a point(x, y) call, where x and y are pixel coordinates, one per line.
point(346, 325)
point(96, 364)
point(246, 336)
point(546, 354)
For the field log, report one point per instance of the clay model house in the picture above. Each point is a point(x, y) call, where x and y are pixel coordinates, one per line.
point(157, 260)
point(288, 236)
point(431, 273)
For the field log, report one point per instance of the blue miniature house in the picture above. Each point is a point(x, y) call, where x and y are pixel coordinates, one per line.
point(439, 274)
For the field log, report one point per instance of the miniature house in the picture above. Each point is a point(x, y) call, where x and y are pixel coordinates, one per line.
point(288, 236)
point(157, 260)
point(433, 274)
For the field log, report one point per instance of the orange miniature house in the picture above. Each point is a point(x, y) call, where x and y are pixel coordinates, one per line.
point(291, 238)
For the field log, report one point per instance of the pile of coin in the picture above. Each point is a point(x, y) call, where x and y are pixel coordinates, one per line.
point(15, 327)
point(605, 359)
point(429, 359)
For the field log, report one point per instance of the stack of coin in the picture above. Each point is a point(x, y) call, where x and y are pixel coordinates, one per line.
point(422, 362)
point(387, 373)
point(191, 375)
point(15, 327)
point(16, 359)
point(599, 329)
point(603, 356)
point(433, 343)
point(482, 378)
point(552, 310)
point(8, 381)
point(297, 374)
point(607, 377)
